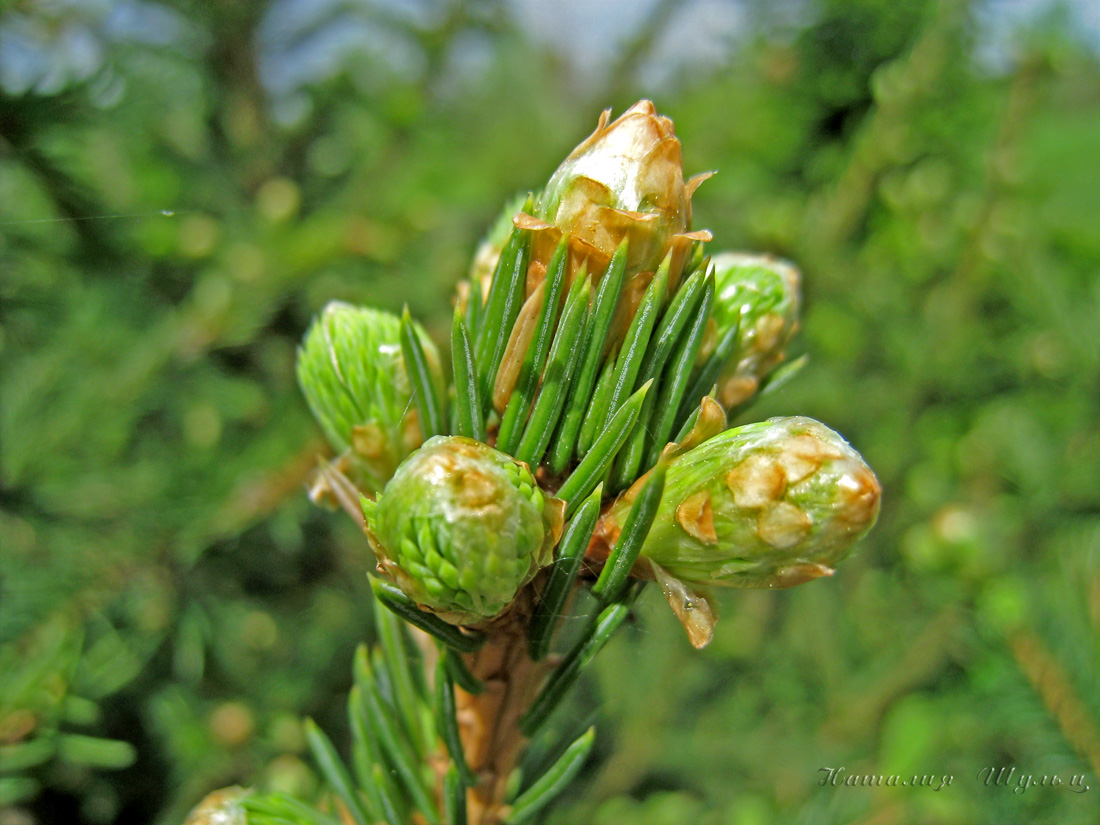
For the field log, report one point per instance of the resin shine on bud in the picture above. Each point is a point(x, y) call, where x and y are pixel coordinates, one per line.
point(222, 807)
point(461, 527)
point(627, 177)
point(623, 183)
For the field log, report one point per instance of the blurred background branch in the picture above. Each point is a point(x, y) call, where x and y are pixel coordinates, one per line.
point(183, 185)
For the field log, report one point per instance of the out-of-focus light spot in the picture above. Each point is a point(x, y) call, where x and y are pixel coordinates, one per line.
point(202, 426)
point(245, 261)
point(278, 199)
point(232, 724)
point(198, 235)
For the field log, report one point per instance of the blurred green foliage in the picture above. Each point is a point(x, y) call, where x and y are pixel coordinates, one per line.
point(171, 217)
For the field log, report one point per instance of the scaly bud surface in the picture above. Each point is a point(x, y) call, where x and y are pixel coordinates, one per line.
point(759, 295)
point(772, 504)
point(461, 527)
point(625, 182)
point(353, 375)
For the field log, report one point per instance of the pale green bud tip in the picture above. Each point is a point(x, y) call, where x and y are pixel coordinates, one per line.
point(761, 296)
point(766, 505)
point(353, 375)
point(461, 527)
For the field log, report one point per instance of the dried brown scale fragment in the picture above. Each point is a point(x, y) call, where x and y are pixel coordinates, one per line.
point(331, 487)
point(710, 422)
point(694, 610)
point(756, 481)
point(858, 500)
point(798, 467)
point(769, 331)
point(515, 350)
point(368, 441)
point(795, 574)
point(599, 546)
point(738, 389)
point(695, 516)
point(783, 525)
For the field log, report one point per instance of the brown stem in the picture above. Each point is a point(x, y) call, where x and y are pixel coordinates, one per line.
point(489, 721)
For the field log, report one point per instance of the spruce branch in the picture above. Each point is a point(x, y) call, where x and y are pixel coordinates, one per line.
point(597, 354)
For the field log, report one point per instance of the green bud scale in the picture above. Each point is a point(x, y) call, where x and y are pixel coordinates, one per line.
point(461, 527)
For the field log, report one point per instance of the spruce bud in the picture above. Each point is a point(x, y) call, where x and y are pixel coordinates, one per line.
point(772, 504)
point(461, 527)
point(760, 295)
point(353, 375)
